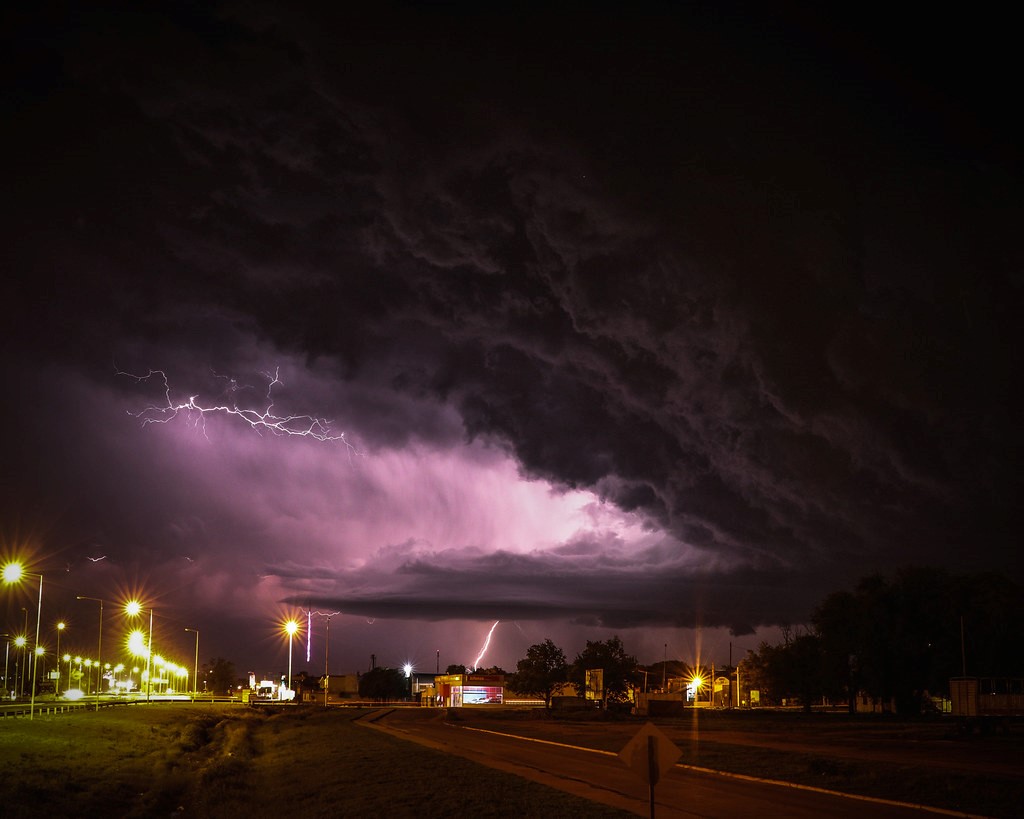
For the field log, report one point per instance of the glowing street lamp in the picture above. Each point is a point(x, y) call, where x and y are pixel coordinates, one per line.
point(290, 628)
point(99, 648)
point(20, 642)
point(13, 573)
point(60, 627)
point(133, 608)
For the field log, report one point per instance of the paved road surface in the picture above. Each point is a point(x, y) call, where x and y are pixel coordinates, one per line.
point(601, 777)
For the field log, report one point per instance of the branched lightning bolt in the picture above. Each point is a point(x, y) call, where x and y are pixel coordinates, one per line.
point(309, 626)
point(487, 642)
point(195, 411)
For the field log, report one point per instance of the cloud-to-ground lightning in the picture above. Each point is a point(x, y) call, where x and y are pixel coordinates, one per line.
point(487, 642)
point(196, 411)
point(309, 626)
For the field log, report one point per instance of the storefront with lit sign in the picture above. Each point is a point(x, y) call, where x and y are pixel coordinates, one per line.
point(456, 690)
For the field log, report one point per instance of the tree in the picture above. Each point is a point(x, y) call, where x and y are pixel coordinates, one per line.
point(494, 669)
point(456, 669)
point(220, 675)
point(383, 685)
point(538, 674)
point(621, 676)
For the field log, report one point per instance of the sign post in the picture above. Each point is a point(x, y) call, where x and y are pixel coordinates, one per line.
point(648, 754)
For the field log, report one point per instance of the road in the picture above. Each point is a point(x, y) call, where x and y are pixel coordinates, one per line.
point(601, 777)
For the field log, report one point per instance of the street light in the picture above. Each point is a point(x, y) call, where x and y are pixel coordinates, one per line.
point(7, 656)
point(195, 668)
point(13, 573)
point(21, 641)
point(290, 628)
point(133, 608)
point(99, 649)
point(60, 628)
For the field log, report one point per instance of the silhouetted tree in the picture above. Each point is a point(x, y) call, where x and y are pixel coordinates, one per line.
point(456, 669)
point(221, 675)
point(621, 676)
point(899, 640)
point(542, 669)
point(383, 684)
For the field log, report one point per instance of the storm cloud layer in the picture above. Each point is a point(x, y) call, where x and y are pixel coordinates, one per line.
point(654, 321)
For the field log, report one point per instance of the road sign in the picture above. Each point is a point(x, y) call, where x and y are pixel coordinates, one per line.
point(649, 754)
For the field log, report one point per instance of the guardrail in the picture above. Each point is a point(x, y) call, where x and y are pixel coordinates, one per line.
point(17, 710)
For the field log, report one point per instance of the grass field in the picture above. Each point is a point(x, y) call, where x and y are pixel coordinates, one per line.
point(230, 761)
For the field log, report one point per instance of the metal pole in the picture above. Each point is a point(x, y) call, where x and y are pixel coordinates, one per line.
point(149, 659)
point(195, 668)
point(99, 649)
point(25, 655)
point(35, 653)
point(99, 659)
point(327, 649)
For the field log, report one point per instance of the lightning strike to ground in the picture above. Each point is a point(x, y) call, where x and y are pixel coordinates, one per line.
point(487, 642)
point(195, 411)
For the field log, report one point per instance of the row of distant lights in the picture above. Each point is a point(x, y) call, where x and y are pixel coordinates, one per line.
point(14, 572)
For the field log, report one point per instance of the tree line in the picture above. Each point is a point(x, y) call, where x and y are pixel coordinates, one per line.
point(897, 642)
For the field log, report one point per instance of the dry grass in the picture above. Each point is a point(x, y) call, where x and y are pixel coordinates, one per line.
point(227, 761)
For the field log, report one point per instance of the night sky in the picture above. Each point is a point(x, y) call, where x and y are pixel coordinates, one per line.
point(663, 325)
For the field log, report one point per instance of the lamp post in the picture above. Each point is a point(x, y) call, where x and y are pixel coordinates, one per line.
point(7, 657)
point(99, 649)
point(23, 645)
point(12, 573)
point(290, 628)
point(133, 608)
point(21, 641)
point(60, 628)
point(195, 668)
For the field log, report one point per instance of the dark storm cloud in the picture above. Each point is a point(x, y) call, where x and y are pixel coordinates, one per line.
point(737, 277)
point(588, 582)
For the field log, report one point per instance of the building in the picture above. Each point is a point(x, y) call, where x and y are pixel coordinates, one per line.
point(457, 690)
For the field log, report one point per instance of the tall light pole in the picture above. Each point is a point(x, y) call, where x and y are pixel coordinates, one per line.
point(99, 649)
point(133, 608)
point(327, 648)
point(12, 573)
point(195, 668)
point(290, 628)
point(21, 641)
point(60, 628)
point(24, 655)
point(7, 656)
